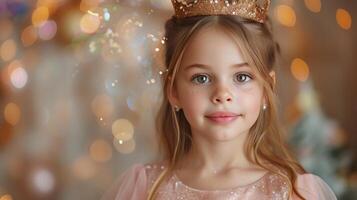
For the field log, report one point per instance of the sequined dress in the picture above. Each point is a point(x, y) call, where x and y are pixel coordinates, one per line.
point(135, 183)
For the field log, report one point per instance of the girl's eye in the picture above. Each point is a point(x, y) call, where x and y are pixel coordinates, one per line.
point(201, 79)
point(243, 78)
point(204, 79)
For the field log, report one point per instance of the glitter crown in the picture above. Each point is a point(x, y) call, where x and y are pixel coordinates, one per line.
point(252, 9)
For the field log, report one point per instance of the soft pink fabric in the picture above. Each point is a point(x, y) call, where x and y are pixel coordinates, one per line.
point(131, 185)
point(313, 187)
point(134, 184)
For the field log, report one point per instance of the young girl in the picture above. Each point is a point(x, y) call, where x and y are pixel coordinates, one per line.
point(218, 121)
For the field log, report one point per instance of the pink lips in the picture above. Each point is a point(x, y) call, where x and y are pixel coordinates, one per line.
point(222, 117)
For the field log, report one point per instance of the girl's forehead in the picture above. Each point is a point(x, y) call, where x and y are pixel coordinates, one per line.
point(212, 46)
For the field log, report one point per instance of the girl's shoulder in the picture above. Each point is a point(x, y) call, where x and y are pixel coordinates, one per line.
point(313, 187)
point(153, 171)
point(144, 169)
point(155, 167)
point(133, 182)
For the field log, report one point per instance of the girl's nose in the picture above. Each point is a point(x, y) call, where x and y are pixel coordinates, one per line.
point(222, 96)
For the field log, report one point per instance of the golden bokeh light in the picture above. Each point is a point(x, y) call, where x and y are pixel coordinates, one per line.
point(100, 151)
point(299, 69)
point(40, 15)
point(84, 168)
point(343, 18)
point(89, 23)
point(285, 15)
point(12, 113)
point(8, 50)
point(122, 129)
point(6, 197)
point(124, 147)
point(102, 106)
point(313, 5)
point(29, 36)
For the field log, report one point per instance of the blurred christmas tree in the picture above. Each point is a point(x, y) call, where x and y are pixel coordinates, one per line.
point(318, 141)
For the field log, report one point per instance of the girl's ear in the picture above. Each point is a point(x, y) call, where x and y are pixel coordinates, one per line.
point(272, 74)
point(172, 95)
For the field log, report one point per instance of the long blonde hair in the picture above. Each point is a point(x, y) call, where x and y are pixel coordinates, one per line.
point(265, 144)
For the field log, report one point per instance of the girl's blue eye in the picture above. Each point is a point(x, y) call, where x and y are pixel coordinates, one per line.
point(243, 78)
point(200, 79)
point(204, 79)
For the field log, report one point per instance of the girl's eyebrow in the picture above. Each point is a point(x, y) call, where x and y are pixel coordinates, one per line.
point(203, 66)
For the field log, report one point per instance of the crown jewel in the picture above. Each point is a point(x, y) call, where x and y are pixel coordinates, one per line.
point(252, 9)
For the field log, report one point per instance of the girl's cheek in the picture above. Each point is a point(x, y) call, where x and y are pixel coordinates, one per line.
point(195, 99)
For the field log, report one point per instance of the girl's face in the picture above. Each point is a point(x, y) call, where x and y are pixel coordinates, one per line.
point(216, 88)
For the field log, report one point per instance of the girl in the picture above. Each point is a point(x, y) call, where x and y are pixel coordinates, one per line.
point(218, 121)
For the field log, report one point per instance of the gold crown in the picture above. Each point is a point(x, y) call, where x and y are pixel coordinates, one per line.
point(252, 9)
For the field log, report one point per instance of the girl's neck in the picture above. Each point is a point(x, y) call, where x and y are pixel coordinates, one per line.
point(215, 157)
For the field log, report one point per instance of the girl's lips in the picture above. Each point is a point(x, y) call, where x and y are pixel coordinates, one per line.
point(223, 119)
point(222, 114)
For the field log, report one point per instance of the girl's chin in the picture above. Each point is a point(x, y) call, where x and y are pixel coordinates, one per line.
point(225, 136)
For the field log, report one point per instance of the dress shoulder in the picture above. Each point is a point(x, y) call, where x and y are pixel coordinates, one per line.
point(311, 186)
point(153, 171)
point(132, 184)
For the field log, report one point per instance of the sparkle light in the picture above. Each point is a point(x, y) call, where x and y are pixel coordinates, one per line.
point(343, 18)
point(128, 26)
point(285, 15)
point(93, 13)
point(29, 36)
point(106, 14)
point(299, 69)
point(40, 15)
point(112, 86)
point(12, 113)
point(100, 151)
point(92, 47)
point(122, 129)
point(313, 5)
point(124, 147)
point(8, 50)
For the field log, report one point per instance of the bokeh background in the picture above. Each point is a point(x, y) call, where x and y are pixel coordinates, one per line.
point(80, 87)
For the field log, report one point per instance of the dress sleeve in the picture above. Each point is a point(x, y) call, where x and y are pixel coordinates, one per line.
point(131, 185)
point(313, 187)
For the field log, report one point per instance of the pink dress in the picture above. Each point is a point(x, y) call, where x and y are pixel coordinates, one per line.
point(135, 182)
